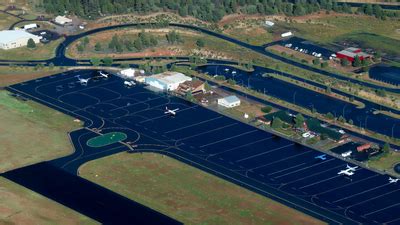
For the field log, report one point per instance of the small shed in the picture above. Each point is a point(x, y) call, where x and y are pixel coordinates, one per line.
point(30, 26)
point(287, 34)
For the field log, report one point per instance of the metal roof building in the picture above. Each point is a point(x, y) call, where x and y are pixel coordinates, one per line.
point(62, 20)
point(351, 53)
point(16, 38)
point(229, 101)
point(167, 81)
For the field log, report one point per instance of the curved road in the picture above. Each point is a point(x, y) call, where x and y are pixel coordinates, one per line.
point(61, 59)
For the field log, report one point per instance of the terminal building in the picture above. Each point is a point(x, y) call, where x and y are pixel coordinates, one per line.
point(10, 39)
point(167, 81)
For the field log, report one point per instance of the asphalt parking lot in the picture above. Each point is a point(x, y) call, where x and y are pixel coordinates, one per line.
point(270, 165)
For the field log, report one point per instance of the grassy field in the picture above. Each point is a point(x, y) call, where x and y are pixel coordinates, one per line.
point(214, 47)
point(367, 31)
point(6, 21)
point(42, 51)
point(31, 133)
point(249, 29)
point(386, 163)
point(12, 75)
point(186, 193)
point(369, 40)
point(19, 205)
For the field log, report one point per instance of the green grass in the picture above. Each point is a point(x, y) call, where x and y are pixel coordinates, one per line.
point(6, 21)
point(41, 52)
point(377, 42)
point(31, 133)
point(106, 139)
point(186, 193)
point(368, 30)
point(386, 162)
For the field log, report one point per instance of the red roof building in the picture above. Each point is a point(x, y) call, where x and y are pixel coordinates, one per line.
point(351, 53)
point(363, 147)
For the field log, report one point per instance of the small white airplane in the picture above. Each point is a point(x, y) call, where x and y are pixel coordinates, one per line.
point(393, 180)
point(171, 111)
point(105, 75)
point(321, 157)
point(349, 171)
point(82, 80)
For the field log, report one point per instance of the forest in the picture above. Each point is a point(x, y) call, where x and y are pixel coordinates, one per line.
point(206, 10)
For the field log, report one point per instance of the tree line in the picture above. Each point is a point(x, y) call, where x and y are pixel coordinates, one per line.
point(207, 10)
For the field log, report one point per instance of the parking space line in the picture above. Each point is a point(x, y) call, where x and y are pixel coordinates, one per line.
point(390, 206)
point(288, 168)
point(304, 168)
point(320, 181)
point(229, 138)
point(195, 124)
point(262, 153)
point(284, 159)
point(359, 193)
point(241, 146)
point(209, 131)
point(369, 199)
point(314, 174)
point(347, 185)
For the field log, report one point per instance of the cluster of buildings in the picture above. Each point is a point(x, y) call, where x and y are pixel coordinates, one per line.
point(19, 37)
point(178, 83)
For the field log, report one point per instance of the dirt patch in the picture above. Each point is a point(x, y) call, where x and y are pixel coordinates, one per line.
point(289, 52)
point(10, 75)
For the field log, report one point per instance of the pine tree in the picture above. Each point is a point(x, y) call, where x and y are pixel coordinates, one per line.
point(31, 43)
point(357, 61)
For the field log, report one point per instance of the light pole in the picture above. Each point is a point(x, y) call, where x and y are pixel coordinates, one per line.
point(294, 97)
point(393, 129)
point(366, 120)
point(344, 110)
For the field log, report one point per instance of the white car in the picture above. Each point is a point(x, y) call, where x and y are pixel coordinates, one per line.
point(306, 135)
point(346, 154)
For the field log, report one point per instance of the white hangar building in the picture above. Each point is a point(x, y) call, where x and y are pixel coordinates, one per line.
point(167, 81)
point(16, 38)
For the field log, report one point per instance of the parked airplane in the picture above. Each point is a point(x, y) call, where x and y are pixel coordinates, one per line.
point(349, 171)
point(321, 157)
point(171, 111)
point(393, 180)
point(83, 81)
point(105, 75)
